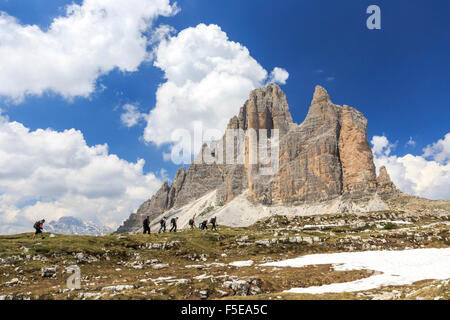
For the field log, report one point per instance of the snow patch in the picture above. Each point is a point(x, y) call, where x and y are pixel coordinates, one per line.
point(396, 267)
point(246, 263)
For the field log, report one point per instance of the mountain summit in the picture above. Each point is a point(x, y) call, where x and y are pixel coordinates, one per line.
point(325, 158)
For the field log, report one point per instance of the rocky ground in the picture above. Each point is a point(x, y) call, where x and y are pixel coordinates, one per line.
point(226, 264)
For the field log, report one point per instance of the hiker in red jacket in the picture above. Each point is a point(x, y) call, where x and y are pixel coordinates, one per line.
point(38, 226)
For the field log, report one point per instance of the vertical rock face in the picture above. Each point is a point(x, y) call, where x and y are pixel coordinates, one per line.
point(358, 169)
point(384, 182)
point(309, 157)
point(265, 110)
point(325, 157)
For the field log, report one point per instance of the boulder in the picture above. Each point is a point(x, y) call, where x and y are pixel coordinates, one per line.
point(239, 287)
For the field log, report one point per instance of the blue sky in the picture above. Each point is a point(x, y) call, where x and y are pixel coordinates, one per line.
point(398, 77)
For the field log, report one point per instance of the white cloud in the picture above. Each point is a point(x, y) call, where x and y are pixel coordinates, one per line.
point(131, 117)
point(279, 75)
point(381, 145)
point(49, 174)
point(89, 41)
point(415, 174)
point(208, 78)
point(439, 151)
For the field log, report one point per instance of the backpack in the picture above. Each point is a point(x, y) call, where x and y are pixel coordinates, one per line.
point(161, 222)
point(173, 221)
point(37, 225)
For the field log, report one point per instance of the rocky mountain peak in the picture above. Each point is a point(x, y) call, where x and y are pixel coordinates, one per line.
point(320, 95)
point(383, 176)
point(266, 108)
point(384, 182)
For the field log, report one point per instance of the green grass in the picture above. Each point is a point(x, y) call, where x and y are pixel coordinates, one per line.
point(389, 226)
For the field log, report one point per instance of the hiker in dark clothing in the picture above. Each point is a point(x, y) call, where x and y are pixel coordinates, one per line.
point(191, 223)
point(213, 223)
point(146, 225)
point(204, 225)
point(38, 226)
point(174, 224)
point(162, 225)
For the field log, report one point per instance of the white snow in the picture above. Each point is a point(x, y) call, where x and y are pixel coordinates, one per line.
point(246, 263)
point(320, 226)
point(394, 268)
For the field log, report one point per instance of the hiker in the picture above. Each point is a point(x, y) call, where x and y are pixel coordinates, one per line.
point(174, 224)
point(146, 225)
point(204, 225)
point(213, 223)
point(191, 223)
point(38, 226)
point(162, 225)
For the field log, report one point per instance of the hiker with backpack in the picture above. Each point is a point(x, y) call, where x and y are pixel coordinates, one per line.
point(162, 225)
point(204, 225)
point(191, 223)
point(38, 226)
point(174, 224)
point(213, 223)
point(146, 225)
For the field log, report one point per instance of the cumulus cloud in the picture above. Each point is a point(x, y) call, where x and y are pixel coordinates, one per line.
point(279, 75)
point(208, 78)
point(49, 174)
point(440, 150)
point(131, 117)
point(381, 145)
point(89, 41)
point(426, 175)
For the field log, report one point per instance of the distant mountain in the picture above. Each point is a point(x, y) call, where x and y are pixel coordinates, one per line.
point(72, 225)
